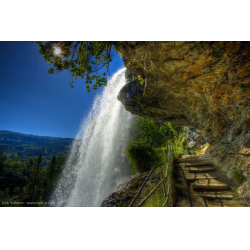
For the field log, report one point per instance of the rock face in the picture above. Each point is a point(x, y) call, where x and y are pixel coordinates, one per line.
point(202, 85)
point(132, 97)
point(126, 191)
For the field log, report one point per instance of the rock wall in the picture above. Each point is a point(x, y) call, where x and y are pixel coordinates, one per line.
point(203, 85)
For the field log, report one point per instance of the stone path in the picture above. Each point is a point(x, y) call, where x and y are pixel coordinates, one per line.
point(205, 187)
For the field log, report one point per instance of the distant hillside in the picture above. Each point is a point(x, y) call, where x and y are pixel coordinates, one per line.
point(9, 137)
point(26, 146)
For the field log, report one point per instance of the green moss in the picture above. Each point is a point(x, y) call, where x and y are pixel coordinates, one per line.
point(239, 177)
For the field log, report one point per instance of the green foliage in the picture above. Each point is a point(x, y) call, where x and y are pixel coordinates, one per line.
point(51, 170)
point(184, 142)
point(239, 177)
point(37, 180)
point(147, 142)
point(12, 172)
point(3, 158)
point(192, 152)
point(158, 198)
point(6, 193)
point(18, 167)
point(54, 169)
point(82, 59)
point(143, 155)
point(153, 133)
point(4, 196)
point(17, 190)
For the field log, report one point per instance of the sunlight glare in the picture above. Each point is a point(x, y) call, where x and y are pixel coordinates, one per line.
point(57, 51)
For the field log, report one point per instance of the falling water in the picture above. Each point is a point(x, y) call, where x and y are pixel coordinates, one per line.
point(97, 163)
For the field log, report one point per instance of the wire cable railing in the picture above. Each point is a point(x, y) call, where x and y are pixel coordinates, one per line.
point(170, 152)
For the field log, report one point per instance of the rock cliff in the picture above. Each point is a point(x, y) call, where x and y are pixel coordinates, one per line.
point(202, 85)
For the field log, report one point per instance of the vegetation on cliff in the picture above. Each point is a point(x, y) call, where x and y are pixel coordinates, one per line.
point(146, 150)
point(158, 198)
point(148, 142)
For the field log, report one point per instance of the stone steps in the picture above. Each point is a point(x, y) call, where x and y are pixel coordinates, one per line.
point(219, 196)
point(200, 169)
point(194, 159)
point(210, 186)
point(190, 177)
point(198, 164)
point(205, 187)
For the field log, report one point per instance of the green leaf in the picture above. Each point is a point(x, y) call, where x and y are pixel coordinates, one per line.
point(50, 71)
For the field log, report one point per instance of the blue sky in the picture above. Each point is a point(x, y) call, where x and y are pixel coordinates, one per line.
point(35, 102)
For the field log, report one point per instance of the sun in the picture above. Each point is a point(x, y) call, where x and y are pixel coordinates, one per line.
point(57, 51)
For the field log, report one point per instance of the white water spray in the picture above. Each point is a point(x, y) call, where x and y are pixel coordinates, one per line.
point(97, 163)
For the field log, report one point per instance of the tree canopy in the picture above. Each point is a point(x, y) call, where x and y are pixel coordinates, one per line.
point(87, 60)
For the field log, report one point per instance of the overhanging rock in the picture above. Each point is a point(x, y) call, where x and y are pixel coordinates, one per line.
point(131, 96)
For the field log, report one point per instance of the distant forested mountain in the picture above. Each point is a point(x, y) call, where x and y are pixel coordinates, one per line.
point(26, 146)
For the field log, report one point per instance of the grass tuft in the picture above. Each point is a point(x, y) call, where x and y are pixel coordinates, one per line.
point(239, 177)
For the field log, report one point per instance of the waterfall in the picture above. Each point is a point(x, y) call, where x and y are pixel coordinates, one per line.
point(97, 163)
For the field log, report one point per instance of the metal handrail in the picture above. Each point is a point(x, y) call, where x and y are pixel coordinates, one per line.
point(167, 156)
point(132, 202)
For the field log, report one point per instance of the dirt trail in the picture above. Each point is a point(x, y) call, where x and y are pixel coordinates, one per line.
point(201, 184)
